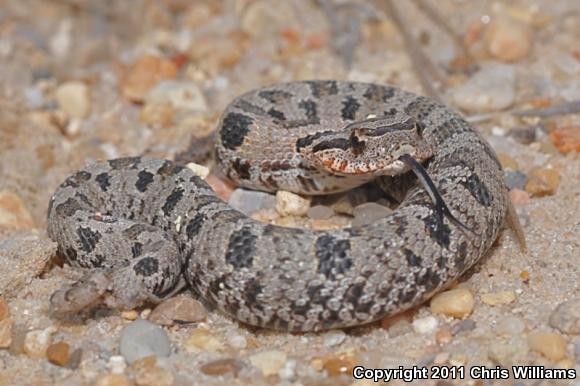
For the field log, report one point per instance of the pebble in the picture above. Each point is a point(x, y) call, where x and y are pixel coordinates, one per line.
point(180, 94)
point(511, 326)
point(4, 310)
point(490, 89)
point(508, 40)
point(249, 201)
point(498, 298)
point(6, 332)
point(202, 339)
point(154, 376)
point(507, 354)
point(519, 197)
point(341, 364)
point(142, 75)
point(58, 353)
point(566, 317)
point(425, 325)
point(113, 380)
point(443, 336)
point(13, 211)
point(236, 340)
point(463, 326)
point(334, 338)
point(157, 114)
point(199, 170)
point(542, 182)
point(320, 212)
point(130, 315)
point(141, 339)
point(265, 215)
point(34, 97)
point(566, 139)
point(515, 179)
point(398, 324)
point(507, 162)
point(369, 213)
point(457, 303)
point(222, 366)
point(550, 345)
point(291, 204)
point(117, 364)
point(36, 342)
point(73, 99)
point(178, 310)
point(269, 362)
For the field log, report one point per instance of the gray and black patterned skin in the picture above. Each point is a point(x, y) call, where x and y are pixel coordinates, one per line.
point(139, 222)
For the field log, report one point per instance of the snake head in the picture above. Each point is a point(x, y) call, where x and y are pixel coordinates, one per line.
point(369, 147)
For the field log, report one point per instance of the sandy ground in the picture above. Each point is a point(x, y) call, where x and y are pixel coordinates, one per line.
point(76, 87)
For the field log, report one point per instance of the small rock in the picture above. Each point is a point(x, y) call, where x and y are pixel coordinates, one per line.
point(341, 364)
point(398, 324)
point(236, 340)
point(73, 99)
point(202, 339)
point(34, 97)
point(13, 212)
point(58, 353)
point(425, 325)
point(157, 114)
point(566, 317)
point(335, 222)
point(37, 341)
point(457, 303)
point(138, 78)
point(542, 182)
point(249, 201)
point(154, 376)
point(550, 345)
point(181, 95)
point(269, 362)
point(113, 380)
point(506, 354)
point(265, 215)
point(443, 336)
point(222, 366)
point(566, 139)
point(320, 212)
point(507, 162)
point(498, 298)
point(291, 204)
point(141, 339)
point(369, 213)
point(511, 326)
point(130, 315)
point(508, 40)
point(178, 310)
point(75, 359)
point(6, 332)
point(117, 364)
point(515, 179)
point(525, 135)
point(199, 170)
point(4, 310)
point(490, 89)
point(519, 197)
point(334, 338)
point(463, 326)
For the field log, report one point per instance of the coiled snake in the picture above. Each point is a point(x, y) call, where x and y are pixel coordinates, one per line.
point(138, 223)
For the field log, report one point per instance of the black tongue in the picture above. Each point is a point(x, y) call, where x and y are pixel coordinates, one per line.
point(440, 206)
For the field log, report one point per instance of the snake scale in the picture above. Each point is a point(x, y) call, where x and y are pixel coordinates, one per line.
point(140, 223)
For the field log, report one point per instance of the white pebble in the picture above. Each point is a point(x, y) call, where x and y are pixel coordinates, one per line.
point(249, 201)
point(73, 99)
point(334, 338)
point(269, 362)
point(291, 204)
point(182, 95)
point(425, 325)
point(141, 339)
point(37, 341)
point(369, 213)
point(117, 364)
point(199, 170)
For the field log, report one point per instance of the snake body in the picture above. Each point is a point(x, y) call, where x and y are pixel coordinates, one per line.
point(138, 223)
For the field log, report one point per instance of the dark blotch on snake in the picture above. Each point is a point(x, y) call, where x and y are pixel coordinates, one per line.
point(88, 239)
point(323, 88)
point(332, 256)
point(68, 208)
point(251, 291)
point(144, 178)
point(349, 109)
point(309, 139)
point(438, 231)
point(136, 249)
point(241, 248)
point(310, 110)
point(242, 168)
point(103, 181)
point(276, 114)
point(76, 179)
point(235, 127)
point(412, 259)
point(193, 227)
point(478, 189)
point(172, 201)
point(124, 163)
point(336, 143)
point(275, 96)
point(377, 93)
point(147, 266)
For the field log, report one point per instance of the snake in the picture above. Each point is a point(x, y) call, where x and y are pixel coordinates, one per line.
point(141, 226)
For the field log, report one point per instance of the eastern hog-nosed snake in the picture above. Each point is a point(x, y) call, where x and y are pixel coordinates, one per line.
point(140, 222)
